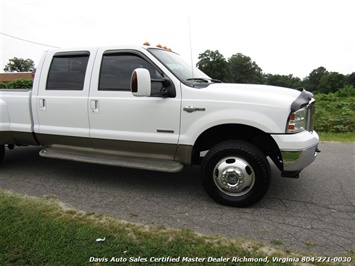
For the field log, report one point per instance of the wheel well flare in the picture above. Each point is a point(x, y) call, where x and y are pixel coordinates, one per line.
point(217, 134)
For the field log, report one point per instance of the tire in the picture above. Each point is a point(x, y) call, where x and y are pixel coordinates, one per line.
point(2, 153)
point(235, 173)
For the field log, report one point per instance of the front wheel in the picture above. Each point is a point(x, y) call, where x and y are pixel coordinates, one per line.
point(2, 153)
point(235, 173)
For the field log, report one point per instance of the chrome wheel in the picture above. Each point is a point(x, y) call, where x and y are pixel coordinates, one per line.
point(234, 176)
point(235, 173)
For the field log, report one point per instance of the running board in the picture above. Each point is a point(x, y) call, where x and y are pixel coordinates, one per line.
point(112, 160)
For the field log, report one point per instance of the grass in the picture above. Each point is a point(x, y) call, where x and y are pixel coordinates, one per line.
point(41, 232)
point(348, 137)
point(276, 242)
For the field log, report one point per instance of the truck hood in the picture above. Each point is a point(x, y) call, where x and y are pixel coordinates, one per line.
point(265, 95)
point(260, 106)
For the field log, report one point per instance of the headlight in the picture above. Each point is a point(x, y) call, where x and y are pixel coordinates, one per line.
point(297, 121)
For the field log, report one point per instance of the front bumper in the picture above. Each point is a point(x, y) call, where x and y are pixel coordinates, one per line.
point(295, 161)
point(297, 151)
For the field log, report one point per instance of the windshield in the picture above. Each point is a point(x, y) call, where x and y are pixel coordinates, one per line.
point(182, 70)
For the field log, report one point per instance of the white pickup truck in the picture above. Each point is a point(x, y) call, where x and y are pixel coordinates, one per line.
point(144, 107)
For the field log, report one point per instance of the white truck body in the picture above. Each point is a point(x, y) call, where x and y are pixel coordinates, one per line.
point(82, 106)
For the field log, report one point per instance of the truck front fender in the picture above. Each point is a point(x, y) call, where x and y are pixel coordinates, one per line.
point(194, 124)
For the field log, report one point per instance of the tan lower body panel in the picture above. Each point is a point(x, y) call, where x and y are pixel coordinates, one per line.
point(162, 151)
point(87, 156)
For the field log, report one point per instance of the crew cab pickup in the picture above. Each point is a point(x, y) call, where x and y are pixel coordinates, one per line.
point(144, 107)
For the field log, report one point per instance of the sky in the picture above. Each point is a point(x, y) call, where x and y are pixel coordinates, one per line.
point(282, 36)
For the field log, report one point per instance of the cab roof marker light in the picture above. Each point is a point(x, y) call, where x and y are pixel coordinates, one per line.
point(159, 46)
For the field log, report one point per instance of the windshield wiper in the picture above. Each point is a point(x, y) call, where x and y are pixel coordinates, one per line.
point(201, 80)
point(204, 80)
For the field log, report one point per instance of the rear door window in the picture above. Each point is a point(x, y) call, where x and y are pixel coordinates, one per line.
point(67, 71)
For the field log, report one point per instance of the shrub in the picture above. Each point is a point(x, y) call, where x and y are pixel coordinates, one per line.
point(348, 91)
point(3, 85)
point(20, 84)
point(335, 112)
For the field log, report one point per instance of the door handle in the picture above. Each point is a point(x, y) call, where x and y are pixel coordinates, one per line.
point(191, 109)
point(42, 104)
point(94, 106)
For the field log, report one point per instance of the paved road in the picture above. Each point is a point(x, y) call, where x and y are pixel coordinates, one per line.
point(315, 213)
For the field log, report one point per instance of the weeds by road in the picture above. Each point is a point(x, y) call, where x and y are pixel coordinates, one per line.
point(41, 232)
point(348, 137)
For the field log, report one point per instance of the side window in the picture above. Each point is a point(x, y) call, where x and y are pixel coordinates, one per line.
point(116, 71)
point(67, 71)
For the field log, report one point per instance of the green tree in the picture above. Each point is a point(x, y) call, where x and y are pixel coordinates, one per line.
point(331, 82)
point(19, 65)
point(244, 70)
point(312, 81)
point(350, 79)
point(214, 65)
point(288, 81)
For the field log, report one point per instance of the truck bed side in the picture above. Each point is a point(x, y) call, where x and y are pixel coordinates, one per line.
point(16, 117)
